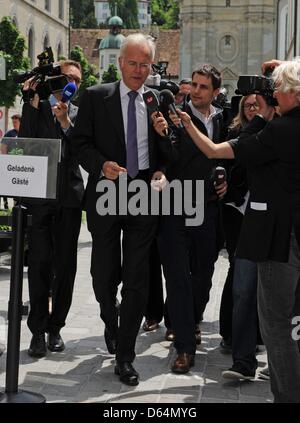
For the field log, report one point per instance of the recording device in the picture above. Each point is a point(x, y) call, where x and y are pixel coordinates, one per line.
point(166, 98)
point(258, 84)
point(47, 75)
point(152, 104)
point(161, 84)
point(68, 92)
point(219, 175)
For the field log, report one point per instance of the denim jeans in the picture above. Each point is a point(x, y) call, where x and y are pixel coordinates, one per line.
point(244, 318)
point(278, 303)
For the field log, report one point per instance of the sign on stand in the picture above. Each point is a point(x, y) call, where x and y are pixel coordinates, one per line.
point(30, 168)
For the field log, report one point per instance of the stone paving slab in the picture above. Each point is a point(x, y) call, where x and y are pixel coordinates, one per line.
point(84, 372)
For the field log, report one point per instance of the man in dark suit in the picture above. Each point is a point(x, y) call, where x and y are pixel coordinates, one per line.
point(53, 236)
point(113, 134)
point(188, 253)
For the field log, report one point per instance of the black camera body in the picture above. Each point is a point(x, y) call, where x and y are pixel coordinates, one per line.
point(164, 84)
point(47, 75)
point(257, 84)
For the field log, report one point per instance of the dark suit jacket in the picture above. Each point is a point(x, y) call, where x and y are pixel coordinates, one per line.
point(99, 136)
point(190, 163)
point(39, 123)
point(271, 153)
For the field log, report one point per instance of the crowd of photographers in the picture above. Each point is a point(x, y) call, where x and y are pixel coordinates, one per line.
point(254, 214)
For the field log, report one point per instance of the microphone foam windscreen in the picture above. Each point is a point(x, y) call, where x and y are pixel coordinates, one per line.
point(68, 92)
point(151, 101)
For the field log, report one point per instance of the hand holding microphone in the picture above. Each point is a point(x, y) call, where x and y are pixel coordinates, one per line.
point(61, 108)
point(152, 104)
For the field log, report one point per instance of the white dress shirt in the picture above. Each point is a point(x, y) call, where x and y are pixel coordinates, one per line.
point(207, 121)
point(141, 121)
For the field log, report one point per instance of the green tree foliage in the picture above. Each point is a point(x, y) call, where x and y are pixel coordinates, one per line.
point(165, 13)
point(111, 75)
point(12, 47)
point(82, 14)
point(89, 73)
point(127, 10)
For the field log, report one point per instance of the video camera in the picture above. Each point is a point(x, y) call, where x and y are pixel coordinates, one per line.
point(47, 75)
point(156, 81)
point(256, 84)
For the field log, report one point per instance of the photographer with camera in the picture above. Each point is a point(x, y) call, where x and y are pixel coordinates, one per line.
point(270, 150)
point(53, 236)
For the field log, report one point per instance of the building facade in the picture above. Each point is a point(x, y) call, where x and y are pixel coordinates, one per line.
point(288, 29)
point(103, 13)
point(43, 23)
point(236, 36)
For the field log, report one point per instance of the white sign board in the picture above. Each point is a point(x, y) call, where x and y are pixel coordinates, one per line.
point(23, 176)
point(2, 122)
point(2, 69)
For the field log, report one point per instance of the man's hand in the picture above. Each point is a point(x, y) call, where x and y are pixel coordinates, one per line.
point(159, 123)
point(265, 109)
point(270, 65)
point(61, 112)
point(31, 85)
point(159, 181)
point(111, 170)
point(221, 190)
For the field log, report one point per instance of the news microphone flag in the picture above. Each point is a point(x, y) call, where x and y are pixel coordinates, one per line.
point(69, 92)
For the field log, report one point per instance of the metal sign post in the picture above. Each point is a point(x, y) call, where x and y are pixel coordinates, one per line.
point(29, 168)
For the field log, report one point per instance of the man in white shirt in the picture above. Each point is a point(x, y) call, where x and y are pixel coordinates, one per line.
point(113, 135)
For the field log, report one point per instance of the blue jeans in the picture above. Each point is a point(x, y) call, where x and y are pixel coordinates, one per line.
point(278, 303)
point(244, 318)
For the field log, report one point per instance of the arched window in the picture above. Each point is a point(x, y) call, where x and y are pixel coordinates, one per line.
point(46, 42)
point(14, 21)
point(47, 5)
point(59, 50)
point(31, 46)
point(61, 10)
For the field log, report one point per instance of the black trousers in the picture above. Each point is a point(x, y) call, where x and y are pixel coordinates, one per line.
point(232, 222)
point(107, 271)
point(156, 308)
point(188, 255)
point(52, 262)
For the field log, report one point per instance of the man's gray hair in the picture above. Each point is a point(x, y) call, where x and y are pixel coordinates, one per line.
point(138, 38)
point(287, 77)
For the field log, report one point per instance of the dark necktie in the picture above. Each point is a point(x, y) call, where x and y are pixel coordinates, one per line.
point(132, 147)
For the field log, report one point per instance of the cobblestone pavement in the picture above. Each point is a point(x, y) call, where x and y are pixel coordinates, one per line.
point(84, 371)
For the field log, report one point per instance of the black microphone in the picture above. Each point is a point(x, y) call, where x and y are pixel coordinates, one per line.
point(219, 175)
point(166, 97)
point(151, 101)
point(152, 104)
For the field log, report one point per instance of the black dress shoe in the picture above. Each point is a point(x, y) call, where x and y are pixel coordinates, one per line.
point(198, 335)
point(110, 341)
point(183, 363)
point(150, 325)
point(170, 335)
point(127, 373)
point(37, 346)
point(55, 342)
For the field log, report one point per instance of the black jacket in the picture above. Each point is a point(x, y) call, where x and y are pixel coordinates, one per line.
point(40, 123)
point(189, 163)
point(99, 136)
point(271, 153)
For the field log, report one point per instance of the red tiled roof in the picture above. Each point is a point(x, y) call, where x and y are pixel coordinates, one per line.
point(167, 47)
